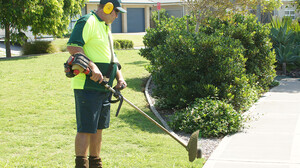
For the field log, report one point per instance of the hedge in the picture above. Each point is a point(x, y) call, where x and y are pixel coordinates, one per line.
point(230, 61)
point(38, 47)
point(123, 44)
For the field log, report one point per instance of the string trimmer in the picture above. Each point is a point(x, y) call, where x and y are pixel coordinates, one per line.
point(192, 145)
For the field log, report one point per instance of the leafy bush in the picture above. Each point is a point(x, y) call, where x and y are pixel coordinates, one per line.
point(38, 47)
point(255, 39)
point(229, 60)
point(117, 45)
point(189, 67)
point(214, 118)
point(163, 16)
point(186, 65)
point(123, 44)
point(157, 36)
point(242, 94)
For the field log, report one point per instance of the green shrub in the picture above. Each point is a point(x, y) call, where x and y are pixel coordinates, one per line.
point(214, 118)
point(241, 94)
point(255, 39)
point(163, 16)
point(123, 44)
point(230, 59)
point(117, 45)
point(38, 47)
point(274, 83)
point(157, 36)
point(188, 67)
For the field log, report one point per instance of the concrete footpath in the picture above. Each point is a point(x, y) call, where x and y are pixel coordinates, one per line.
point(15, 50)
point(273, 138)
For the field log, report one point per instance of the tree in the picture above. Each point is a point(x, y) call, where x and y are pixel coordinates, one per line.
point(219, 8)
point(265, 8)
point(298, 4)
point(50, 17)
point(163, 16)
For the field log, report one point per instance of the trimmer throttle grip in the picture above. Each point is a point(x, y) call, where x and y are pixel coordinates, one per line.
point(76, 64)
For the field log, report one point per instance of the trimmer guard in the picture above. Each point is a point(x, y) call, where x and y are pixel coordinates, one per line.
point(192, 147)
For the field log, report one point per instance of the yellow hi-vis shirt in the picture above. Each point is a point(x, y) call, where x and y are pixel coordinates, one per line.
point(91, 34)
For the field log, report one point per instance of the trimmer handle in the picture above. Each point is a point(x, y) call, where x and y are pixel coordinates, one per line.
point(116, 93)
point(104, 83)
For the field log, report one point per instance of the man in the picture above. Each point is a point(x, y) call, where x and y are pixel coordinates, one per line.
point(92, 37)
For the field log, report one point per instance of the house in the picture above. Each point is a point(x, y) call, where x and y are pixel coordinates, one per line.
point(137, 18)
point(287, 9)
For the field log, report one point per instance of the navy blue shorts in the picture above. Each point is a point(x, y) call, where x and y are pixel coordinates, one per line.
point(92, 110)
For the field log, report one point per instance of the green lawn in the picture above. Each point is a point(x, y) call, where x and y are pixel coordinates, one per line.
point(61, 43)
point(38, 124)
point(137, 40)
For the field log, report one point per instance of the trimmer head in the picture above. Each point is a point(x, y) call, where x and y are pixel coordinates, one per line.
point(192, 147)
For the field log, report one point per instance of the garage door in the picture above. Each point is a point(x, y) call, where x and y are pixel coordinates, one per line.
point(116, 26)
point(135, 20)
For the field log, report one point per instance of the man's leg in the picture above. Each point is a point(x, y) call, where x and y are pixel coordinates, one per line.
point(95, 148)
point(82, 141)
point(88, 111)
point(95, 143)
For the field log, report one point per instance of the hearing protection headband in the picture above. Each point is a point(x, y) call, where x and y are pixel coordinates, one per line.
point(108, 8)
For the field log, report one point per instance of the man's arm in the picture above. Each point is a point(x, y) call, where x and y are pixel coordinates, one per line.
point(121, 82)
point(96, 74)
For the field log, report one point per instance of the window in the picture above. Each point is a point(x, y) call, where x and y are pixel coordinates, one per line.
point(290, 13)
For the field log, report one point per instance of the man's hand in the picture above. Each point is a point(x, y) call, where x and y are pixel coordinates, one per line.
point(121, 84)
point(96, 74)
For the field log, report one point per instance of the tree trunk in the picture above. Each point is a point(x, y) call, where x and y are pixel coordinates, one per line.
point(284, 68)
point(187, 25)
point(198, 23)
point(258, 11)
point(7, 41)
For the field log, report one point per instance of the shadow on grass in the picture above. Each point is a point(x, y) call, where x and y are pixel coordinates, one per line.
point(138, 63)
point(24, 57)
point(137, 84)
point(138, 121)
point(132, 116)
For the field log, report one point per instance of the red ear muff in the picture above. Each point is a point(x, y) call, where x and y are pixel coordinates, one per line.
point(108, 8)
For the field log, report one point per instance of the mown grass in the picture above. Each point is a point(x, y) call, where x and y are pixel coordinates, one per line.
point(136, 39)
point(61, 43)
point(38, 121)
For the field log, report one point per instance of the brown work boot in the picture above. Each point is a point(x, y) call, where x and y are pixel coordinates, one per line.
point(95, 162)
point(81, 162)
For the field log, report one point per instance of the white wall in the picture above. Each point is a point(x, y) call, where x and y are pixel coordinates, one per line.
point(287, 6)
